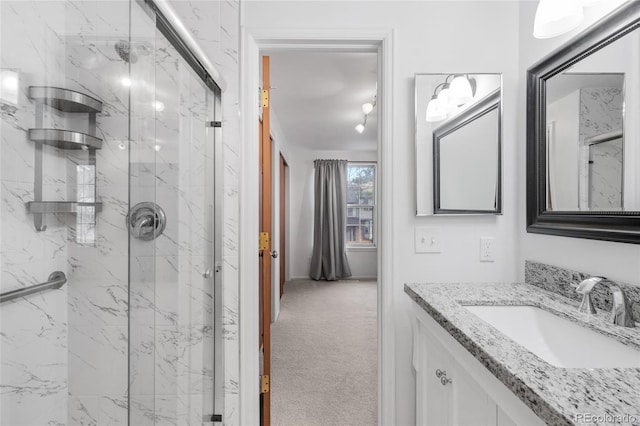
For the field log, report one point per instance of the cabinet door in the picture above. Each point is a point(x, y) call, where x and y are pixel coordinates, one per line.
point(471, 405)
point(437, 396)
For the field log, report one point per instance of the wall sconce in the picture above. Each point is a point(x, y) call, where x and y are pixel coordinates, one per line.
point(366, 110)
point(451, 96)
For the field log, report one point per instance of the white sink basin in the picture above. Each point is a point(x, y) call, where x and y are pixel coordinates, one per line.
point(556, 340)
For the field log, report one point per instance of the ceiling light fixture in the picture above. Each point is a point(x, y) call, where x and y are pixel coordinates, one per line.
point(366, 110)
point(450, 96)
point(554, 17)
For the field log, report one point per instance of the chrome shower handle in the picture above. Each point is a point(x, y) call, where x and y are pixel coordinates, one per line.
point(143, 222)
point(146, 221)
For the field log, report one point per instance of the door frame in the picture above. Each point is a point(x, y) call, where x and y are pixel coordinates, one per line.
point(255, 41)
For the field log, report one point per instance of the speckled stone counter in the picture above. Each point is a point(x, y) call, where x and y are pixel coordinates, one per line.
point(555, 394)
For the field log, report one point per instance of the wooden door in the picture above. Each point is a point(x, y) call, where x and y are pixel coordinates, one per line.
point(265, 252)
point(283, 218)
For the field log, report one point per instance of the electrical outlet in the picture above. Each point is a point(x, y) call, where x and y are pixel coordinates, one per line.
point(427, 240)
point(487, 249)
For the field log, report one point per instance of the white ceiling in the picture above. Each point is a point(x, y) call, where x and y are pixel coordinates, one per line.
point(318, 96)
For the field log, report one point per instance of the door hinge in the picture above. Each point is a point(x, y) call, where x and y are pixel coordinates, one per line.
point(214, 124)
point(264, 98)
point(263, 242)
point(264, 384)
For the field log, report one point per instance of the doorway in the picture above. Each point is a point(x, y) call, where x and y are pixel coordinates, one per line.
point(326, 333)
point(379, 41)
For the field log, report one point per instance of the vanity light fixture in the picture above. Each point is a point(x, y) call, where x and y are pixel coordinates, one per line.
point(366, 109)
point(556, 17)
point(451, 96)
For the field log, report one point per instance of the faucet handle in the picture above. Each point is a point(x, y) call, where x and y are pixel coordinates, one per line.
point(587, 285)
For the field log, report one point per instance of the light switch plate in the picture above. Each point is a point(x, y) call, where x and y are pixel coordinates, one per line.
point(428, 240)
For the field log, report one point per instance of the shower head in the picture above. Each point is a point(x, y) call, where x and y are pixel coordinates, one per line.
point(130, 52)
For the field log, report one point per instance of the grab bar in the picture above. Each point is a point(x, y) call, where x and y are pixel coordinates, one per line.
point(56, 280)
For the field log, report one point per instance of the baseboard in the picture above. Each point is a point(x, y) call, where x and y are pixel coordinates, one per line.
point(350, 278)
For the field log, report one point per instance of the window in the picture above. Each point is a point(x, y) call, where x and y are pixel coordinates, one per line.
point(361, 204)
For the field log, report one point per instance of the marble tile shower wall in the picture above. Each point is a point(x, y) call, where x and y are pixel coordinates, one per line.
point(34, 331)
point(97, 270)
point(601, 111)
point(64, 360)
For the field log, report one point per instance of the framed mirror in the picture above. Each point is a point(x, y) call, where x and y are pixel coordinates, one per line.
point(458, 144)
point(583, 134)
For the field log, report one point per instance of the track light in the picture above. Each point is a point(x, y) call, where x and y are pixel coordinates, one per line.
point(366, 109)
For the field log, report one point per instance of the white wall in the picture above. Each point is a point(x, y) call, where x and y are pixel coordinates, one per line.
point(420, 47)
point(614, 260)
point(363, 261)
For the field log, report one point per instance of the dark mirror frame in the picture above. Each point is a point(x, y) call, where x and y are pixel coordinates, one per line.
point(622, 226)
point(491, 102)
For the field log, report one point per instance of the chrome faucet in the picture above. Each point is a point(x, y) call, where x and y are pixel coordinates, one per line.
point(620, 313)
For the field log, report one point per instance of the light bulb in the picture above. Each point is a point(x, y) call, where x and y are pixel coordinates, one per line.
point(367, 108)
point(126, 81)
point(360, 128)
point(555, 17)
point(443, 100)
point(460, 91)
point(433, 113)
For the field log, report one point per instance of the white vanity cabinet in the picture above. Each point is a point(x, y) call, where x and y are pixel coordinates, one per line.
point(453, 388)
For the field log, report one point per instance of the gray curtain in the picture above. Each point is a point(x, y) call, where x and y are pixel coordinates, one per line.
point(329, 259)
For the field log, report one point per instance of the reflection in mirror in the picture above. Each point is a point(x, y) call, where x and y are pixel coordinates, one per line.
point(460, 138)
point(467, 160)
point(585, 150)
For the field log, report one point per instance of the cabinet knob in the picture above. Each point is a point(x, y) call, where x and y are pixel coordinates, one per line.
point(440, 373)
point(445, 380)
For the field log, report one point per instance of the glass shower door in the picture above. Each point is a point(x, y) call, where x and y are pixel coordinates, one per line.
point(172, 246)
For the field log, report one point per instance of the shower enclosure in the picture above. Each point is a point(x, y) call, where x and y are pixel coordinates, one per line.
point(108, 165)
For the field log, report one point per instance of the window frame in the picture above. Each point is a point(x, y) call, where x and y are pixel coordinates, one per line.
point(374, 221)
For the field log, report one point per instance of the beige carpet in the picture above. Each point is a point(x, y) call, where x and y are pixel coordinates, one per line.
point(324, 354)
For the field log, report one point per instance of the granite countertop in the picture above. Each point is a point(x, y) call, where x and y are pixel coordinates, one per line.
point(555, 394)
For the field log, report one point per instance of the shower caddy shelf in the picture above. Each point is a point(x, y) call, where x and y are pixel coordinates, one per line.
point(68, 101)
